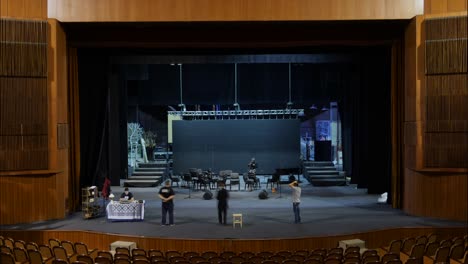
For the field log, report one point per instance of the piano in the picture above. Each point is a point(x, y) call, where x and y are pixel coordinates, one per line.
point(286, 171)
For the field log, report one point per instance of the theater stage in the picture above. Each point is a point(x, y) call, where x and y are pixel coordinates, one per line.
point(326, 211)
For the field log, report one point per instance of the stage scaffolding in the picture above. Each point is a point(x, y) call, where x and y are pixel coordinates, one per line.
point(239, 114)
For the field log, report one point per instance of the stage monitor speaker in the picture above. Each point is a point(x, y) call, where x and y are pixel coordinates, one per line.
point(263, 195)
point(208, 195)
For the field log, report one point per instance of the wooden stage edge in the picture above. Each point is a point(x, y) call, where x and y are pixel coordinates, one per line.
point(102, 241)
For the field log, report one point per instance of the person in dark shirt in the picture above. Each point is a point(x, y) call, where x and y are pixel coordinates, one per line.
point(126, 195)
point(167, 194)
point(222, 197)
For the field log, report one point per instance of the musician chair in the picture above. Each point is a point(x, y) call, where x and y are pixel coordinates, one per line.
point(249, 183)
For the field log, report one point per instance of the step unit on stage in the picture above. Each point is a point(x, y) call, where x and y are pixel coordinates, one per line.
point(147, 175)
point(323, 173)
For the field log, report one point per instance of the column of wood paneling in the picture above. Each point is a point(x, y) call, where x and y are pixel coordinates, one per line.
point(231, 10)
point(446, 133)
point(435, 182)
point(58, 110)
point(29, 195)
point(23, 90)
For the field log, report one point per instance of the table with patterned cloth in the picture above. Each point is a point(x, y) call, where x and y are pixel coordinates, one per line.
point(126, 211)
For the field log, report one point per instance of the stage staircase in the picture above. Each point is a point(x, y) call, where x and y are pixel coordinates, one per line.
point(323, 173)
point(147, 175)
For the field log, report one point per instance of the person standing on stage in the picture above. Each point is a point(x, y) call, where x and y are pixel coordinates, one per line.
point(296, 199)
point(167, 194)
point(222, 197)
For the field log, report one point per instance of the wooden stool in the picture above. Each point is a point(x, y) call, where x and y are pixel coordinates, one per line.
point(236, 219)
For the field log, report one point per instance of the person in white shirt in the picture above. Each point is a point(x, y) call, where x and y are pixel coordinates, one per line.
point(296, 199)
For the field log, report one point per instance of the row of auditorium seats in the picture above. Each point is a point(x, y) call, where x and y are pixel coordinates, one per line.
point(66, 252)
point(428, 249)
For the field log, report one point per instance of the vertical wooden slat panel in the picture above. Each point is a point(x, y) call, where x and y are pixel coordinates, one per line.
point(447, 93)
point(23, 109)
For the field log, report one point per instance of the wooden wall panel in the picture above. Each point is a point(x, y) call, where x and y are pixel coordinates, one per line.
point(231, 10)
point(27, 9)
point(446, 133)
point(23, 90)
point(444, 6)
point(101, 241)
point(437, 185)
point(441, 195)
point(29, 197)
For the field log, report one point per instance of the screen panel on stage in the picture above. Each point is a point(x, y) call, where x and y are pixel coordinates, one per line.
point(230, 144)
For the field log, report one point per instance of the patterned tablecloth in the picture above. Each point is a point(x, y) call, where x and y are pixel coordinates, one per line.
point(126, 211)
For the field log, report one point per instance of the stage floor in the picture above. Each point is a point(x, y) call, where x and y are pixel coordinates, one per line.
point(325, 211)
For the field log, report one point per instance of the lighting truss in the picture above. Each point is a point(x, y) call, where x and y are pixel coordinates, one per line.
point(240, 114)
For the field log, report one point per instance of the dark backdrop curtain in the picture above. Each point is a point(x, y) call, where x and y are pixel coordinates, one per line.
point(94, 95)
point(365, 115)
point(73, 93)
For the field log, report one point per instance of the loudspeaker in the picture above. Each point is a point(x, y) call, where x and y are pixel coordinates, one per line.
point(207, 195)
point(263, 195)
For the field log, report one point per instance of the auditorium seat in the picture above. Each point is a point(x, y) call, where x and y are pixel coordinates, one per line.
point(157, 259)
point(54, 243)
point(312, 261)
point(85, 258)
point(172, 253)
point(61, 254)
point(155, 252)
point(6, 249)
point(122, 250)
point(6, 258)
point(46, 251)
point(121, 255)
point(176, 258)
point(119, 260)
point(196, 259)
point(431, 249)
point(390, 256)
point(32, 245)
point(442, 255)
point(417, 251)
point(140, 261)
point(9, 242)
point(370, 258)
point(395, 246)
point(35, 257)
point(20, 244)
point(457, 251)
point(105, 254)
point(138, 252)
point(209, 254)
point(69, 247)
point(421, 240)
point(102, 260)
point(408, 244)
point(20, 255)
point(82, 249)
